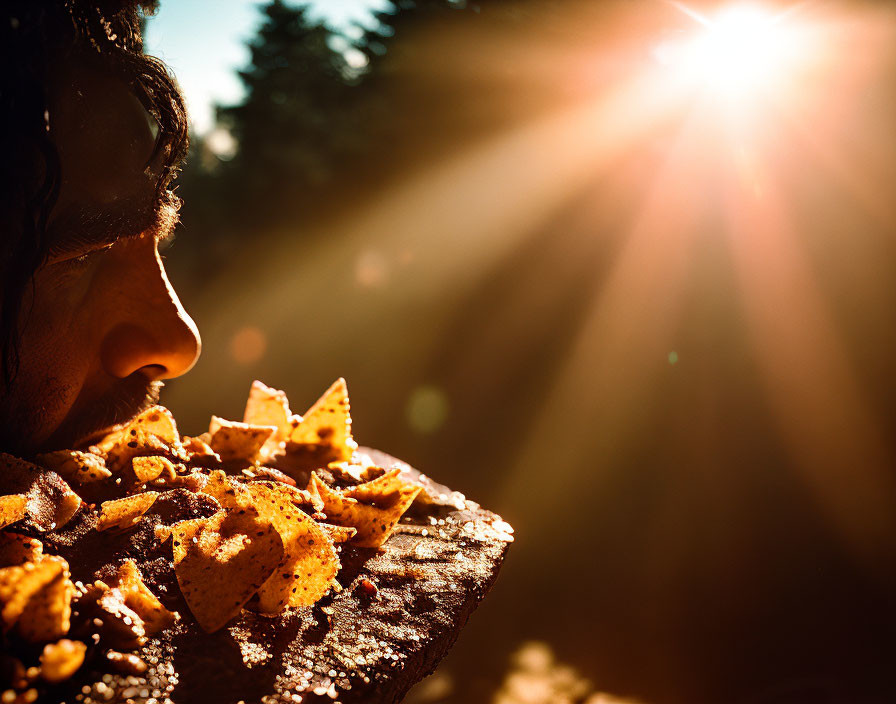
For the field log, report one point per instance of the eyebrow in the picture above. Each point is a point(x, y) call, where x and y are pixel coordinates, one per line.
point(83, 227)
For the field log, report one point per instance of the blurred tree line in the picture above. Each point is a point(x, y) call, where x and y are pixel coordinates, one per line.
point(322, 114)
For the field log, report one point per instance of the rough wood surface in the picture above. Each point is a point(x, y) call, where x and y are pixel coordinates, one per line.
point(352, 646)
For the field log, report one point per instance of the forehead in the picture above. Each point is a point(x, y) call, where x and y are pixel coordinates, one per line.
point(104, 136)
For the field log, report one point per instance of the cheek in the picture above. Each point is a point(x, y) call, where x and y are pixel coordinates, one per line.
point(56, 353)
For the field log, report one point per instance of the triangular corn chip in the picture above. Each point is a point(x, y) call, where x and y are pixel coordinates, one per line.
point(126, 512)
point(47, 614)
point(140, 599)
point(146, 469)
point(309, 560)
point(267, 406)
point(338, 534)
point(377, 490)
point(49, 500)
point(235, 441)
point(120, 622)
point(232, 496)
point(76, 466)
point(327, 425)
point(12, 509)
point(200, 453)
point(153, 432)
point(374, 522)
point(61, 660)
point(18, 584)
point(18, 549)
point(221, 561)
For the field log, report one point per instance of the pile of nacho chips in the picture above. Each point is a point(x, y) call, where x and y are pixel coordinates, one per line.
point(286, 491)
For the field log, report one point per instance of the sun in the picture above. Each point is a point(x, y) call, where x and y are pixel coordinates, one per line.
point(738, 52)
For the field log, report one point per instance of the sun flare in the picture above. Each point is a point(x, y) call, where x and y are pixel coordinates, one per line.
point(741, 50)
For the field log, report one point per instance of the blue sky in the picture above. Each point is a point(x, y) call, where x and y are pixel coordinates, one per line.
point(204, 43)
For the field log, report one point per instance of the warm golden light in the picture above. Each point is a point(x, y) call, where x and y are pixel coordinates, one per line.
point(741, 50)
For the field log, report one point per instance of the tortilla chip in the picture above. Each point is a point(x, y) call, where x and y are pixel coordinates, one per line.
point(200, 453)
point(327, 425)
point(232, 496)
point(354, 472)
point(377, 490)
point(221, 561)
point(146, 469)
point(121, 625)
point(49, 500)
point(61, 660)
point(268, 407)
point(194, 481)
point(47, 615)
point(125, 513)
point(374, 522)
point(238, 441)
point(141, 600)
point(18, 584)
point(12, 509)
point(338, 534)
point(309, 560)
point(76, 466)
point(152, 432)
point(18, 549)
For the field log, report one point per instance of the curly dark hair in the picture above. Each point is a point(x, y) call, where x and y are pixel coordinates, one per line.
point(36, 37)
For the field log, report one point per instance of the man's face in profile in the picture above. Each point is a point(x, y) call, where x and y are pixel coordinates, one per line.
point(101, 325)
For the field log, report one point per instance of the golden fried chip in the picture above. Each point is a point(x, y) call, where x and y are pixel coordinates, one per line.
point(152, 432)
point(119, 625)
point(76, 466)
point(374, 522)
point(49, 500)
point(61, 660)
point(47, 614)
point(12, 509)
point(18, 584)
point(354, 471)
point(221, 561)
point(238, 441)
point(232, 496)
point(141, 600)
point(125, 512)
point(18, 549)
point(147, 469)
point(199, 452)
point(296, 496)
point(309, 560)
point(338, 534)
point(267, 406)
point(378, 489)
point(327, 425)
point(194, 481)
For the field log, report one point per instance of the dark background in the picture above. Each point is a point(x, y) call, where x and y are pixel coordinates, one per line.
point(659, 341)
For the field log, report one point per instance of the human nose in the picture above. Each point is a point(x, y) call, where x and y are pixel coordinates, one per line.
point(153, 334)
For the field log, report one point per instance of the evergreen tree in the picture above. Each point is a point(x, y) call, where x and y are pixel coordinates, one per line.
point(395, 22)
point(293, 129)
